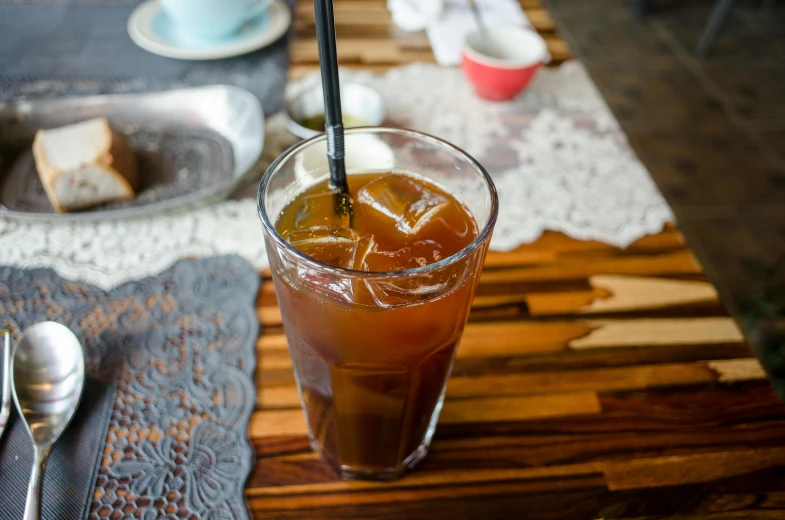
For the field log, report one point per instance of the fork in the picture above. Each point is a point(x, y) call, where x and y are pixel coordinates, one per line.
point(5, 404)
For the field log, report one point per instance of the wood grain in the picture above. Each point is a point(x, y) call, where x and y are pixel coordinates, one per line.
point(591, 381)
point(368, 39)
point(688, 469)
point(636, 377)
point(274, 423)
point(618, 372)
point(653, 332)
point(609, 293)
point(492, 409)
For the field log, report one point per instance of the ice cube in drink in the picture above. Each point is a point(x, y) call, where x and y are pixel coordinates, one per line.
point(372, 364)
point(331, 244)
point(319, 210)
point(407, 204)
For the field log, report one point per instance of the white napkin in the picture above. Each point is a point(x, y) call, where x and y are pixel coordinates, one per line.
point(448, 21)
point(414, 15)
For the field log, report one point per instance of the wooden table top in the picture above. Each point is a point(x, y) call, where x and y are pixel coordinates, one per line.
point(591, 382)
point(367, 38)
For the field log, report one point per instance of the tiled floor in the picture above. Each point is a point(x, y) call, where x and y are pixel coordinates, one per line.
point(711, 132)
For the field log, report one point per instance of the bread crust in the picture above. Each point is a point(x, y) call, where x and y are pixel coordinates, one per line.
point(117, 160)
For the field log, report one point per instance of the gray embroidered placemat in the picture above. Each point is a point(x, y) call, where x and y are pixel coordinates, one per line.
point(73, 47)
point(161, 431)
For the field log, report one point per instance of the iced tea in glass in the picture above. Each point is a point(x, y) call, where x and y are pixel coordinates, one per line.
point(374, 302)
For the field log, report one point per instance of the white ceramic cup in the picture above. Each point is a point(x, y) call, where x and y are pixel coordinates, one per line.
point(206, 20)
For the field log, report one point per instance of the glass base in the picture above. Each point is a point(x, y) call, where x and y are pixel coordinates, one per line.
point(381, 474)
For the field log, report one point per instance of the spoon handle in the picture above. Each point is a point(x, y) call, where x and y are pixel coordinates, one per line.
point(5, 394)
point(478, 18)
point(33, 504)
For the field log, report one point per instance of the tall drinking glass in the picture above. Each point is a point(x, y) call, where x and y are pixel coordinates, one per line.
point(372, 351)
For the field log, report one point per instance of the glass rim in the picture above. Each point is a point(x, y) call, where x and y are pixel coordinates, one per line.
point(287, 155)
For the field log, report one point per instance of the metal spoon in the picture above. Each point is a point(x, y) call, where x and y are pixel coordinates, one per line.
point(480, 24)
point(49, 373)
point(5, 395)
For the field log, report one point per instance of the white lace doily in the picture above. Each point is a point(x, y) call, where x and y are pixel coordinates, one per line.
point(556, 153)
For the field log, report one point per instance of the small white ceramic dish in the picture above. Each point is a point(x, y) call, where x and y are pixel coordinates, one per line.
point(362, 104)
point(151, 29)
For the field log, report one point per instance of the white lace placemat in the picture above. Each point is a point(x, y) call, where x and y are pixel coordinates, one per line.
point(556, 153)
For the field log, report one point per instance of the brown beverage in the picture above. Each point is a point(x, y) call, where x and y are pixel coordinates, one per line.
point(372, 370)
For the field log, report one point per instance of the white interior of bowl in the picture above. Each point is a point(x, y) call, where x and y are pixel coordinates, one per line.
point(361, 102)
point(506, 47)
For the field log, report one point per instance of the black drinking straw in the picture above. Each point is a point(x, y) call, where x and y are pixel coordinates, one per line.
point(328, 59)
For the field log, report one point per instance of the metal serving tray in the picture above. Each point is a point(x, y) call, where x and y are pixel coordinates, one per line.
point(192, 145)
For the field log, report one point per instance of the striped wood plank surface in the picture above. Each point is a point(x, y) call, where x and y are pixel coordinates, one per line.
point(591, 382)
point(367, 38)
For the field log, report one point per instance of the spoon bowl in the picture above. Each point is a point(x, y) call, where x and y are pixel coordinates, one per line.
point(48, 377)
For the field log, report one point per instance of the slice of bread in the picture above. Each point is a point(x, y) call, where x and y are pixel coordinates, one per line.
point(85, 164)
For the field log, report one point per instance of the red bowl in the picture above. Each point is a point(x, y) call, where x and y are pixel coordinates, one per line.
point(503, 64)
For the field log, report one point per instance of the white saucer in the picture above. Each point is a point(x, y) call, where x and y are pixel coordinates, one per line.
point(151, 30)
